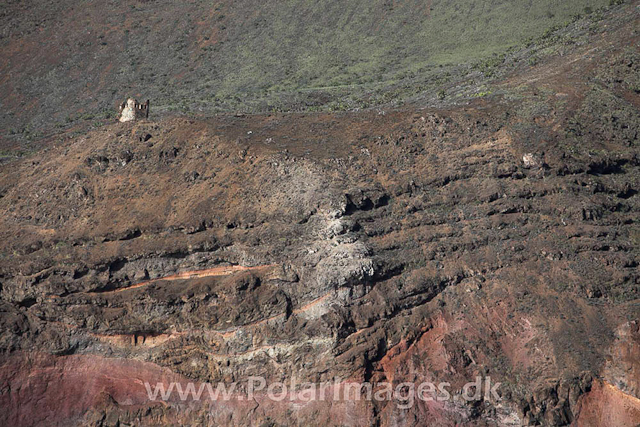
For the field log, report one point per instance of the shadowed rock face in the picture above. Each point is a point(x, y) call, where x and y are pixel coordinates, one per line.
point(411, 246)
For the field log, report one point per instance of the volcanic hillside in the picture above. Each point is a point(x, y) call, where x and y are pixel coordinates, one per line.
point(495, 235)
point(67, 61)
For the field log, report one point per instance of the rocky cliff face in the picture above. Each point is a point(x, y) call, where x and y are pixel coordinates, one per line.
point(372, 247)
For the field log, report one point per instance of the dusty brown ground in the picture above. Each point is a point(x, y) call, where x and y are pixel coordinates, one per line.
point(406, 246)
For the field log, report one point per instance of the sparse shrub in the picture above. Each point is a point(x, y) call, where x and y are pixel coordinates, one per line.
point(483, 94)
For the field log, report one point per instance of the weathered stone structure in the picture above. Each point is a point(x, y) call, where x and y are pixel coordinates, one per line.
point(132, 110)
